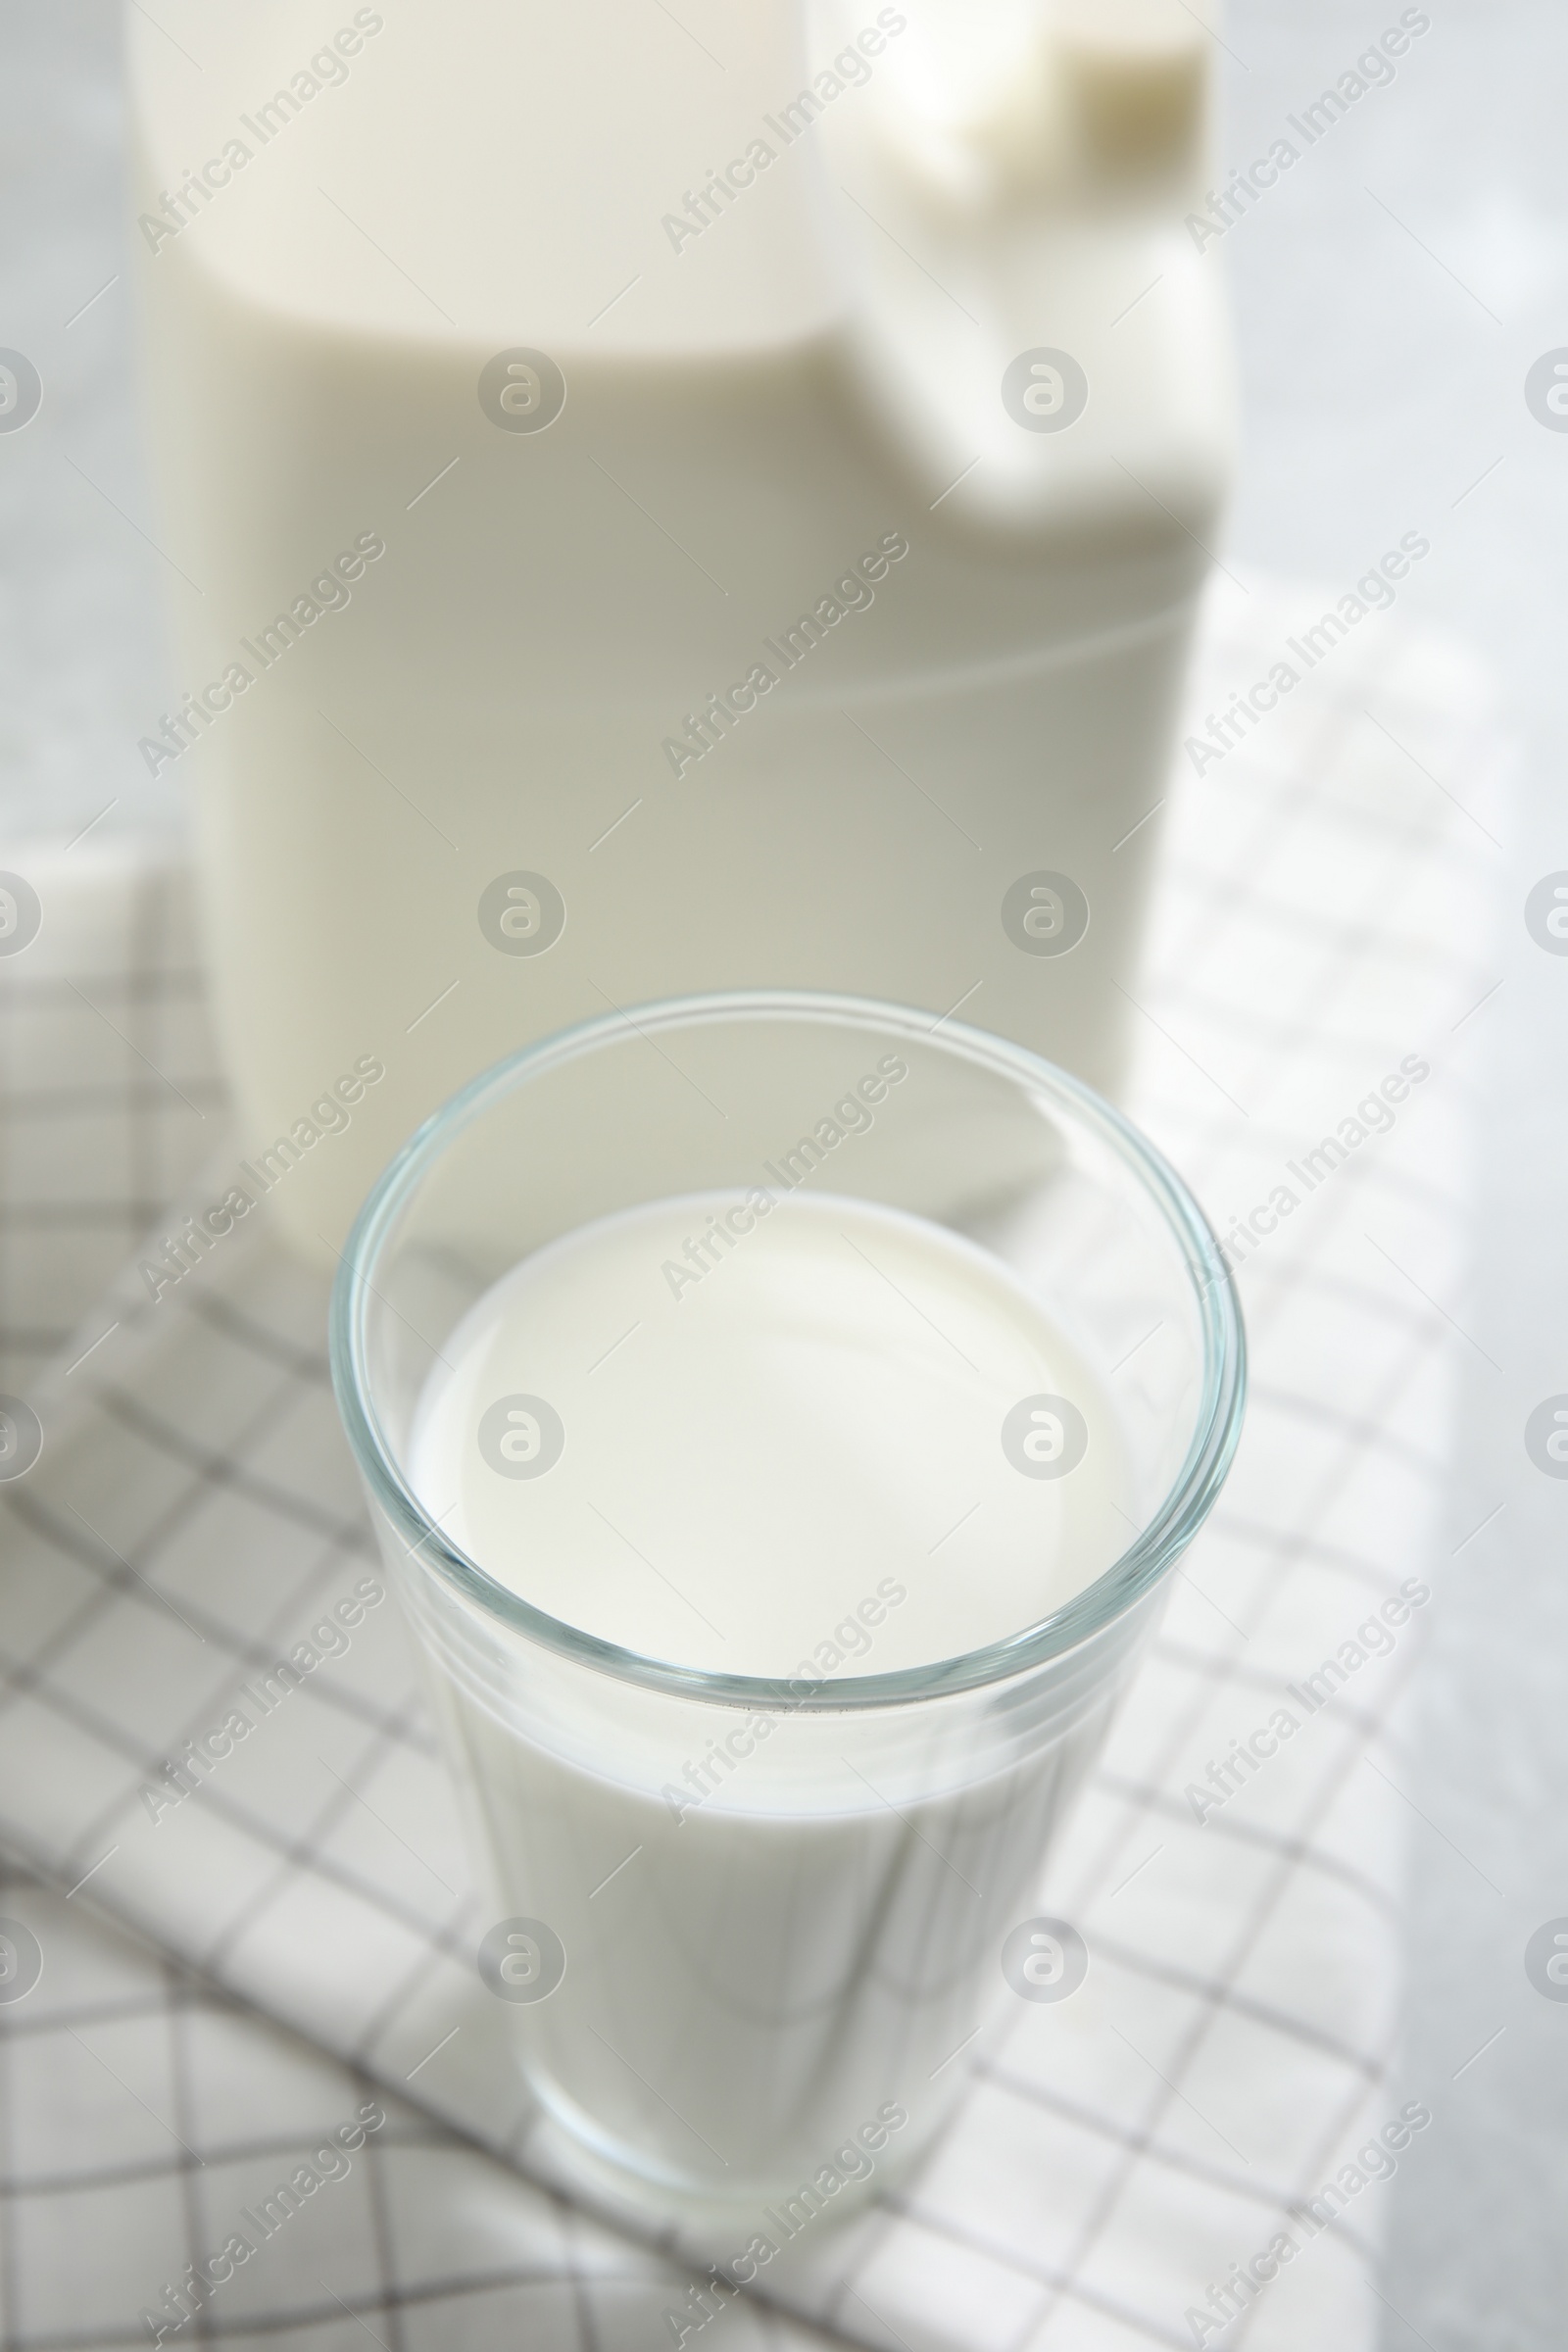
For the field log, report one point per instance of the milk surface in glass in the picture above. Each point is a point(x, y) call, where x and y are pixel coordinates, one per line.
point(795, 1439)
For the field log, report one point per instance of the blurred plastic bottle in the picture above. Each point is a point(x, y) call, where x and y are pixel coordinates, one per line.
point(668, 505)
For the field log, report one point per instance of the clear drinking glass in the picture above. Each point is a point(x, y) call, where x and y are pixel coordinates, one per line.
point(789, 1963)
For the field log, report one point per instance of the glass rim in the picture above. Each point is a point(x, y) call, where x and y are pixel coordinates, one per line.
point(1109, 1596)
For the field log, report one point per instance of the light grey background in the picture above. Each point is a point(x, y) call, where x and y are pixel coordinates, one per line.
point(1391, 293)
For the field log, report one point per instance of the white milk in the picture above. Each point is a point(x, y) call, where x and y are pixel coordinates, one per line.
point(792, 1465)
point(821, 614)
point(748, 1449)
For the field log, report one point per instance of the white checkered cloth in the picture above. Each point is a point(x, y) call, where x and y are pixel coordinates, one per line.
point(300, 1933)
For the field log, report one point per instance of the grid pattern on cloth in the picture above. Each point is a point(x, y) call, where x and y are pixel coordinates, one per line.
point(1324, 916)
point(110, 1089)
point(145, 2117)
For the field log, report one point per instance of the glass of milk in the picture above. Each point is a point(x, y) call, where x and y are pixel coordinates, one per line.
point(781, 1415)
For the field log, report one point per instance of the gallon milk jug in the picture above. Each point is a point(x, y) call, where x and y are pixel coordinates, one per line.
point(665, 500)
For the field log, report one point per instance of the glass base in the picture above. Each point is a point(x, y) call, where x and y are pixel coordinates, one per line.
point(717, 2226)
